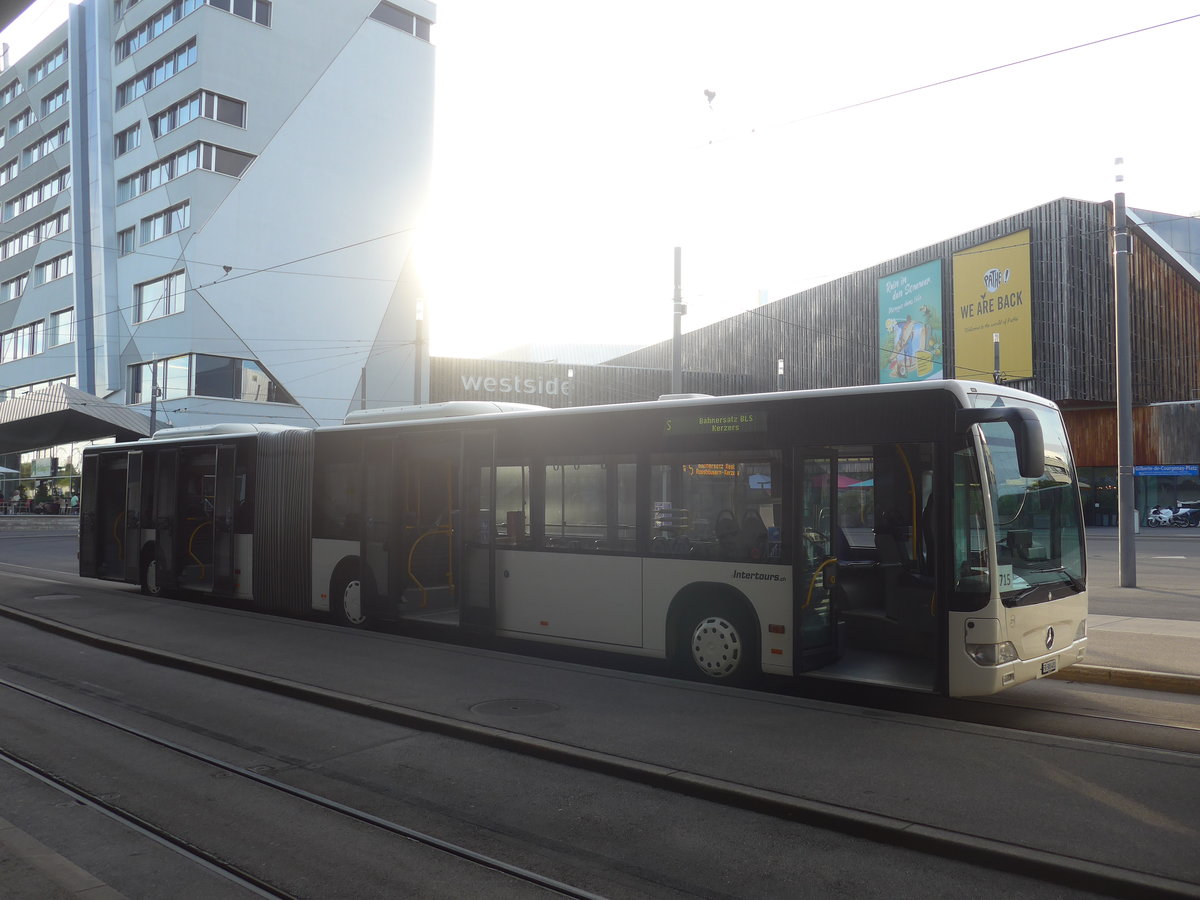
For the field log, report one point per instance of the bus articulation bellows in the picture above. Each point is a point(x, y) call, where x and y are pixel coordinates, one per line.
point(924, 536)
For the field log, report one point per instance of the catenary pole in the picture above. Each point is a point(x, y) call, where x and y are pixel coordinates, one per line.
point(1127, 565)
point(676, 338)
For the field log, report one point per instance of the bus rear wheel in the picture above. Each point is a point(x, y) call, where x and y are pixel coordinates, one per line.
point(346, 601)
point(718, 645)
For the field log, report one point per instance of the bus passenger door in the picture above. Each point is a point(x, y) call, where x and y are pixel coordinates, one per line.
point(380, 534)
point(816, 565)
point(423, 554)
point(90, 521)
point(225, 502)
point(166, 524)
point(133, 517)
point(475, 544)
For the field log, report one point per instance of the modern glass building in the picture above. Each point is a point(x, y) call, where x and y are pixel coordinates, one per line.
point(215, 200)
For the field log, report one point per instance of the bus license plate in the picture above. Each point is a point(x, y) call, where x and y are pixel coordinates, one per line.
point(1049, 666)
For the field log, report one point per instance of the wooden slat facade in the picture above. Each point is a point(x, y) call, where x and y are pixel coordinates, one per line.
point(826, 335)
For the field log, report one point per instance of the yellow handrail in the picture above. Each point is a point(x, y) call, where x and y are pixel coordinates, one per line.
point(812, 584)
point(117, 536)
point(448, 531)
point(193, 555)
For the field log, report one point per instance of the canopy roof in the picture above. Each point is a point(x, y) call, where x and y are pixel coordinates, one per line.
point(62, 415)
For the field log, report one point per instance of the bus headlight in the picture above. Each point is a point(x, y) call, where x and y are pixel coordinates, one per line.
point(992, 654)
point(1081, 631)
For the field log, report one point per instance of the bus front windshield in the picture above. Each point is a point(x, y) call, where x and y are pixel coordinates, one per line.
point(1039, 535)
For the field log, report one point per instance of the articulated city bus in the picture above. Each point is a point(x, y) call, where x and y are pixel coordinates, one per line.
point(924, 536)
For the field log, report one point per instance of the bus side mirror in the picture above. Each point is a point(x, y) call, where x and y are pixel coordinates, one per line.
point(1027, 433)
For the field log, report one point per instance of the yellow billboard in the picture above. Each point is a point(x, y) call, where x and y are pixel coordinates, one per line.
point(992, 297)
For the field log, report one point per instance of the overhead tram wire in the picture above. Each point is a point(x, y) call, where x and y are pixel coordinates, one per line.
point(933, 84)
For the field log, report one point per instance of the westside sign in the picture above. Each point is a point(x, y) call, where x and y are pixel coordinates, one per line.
point(715, 423)
point(491, 384)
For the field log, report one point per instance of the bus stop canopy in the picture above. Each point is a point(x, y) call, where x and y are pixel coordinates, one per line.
point(63, 415)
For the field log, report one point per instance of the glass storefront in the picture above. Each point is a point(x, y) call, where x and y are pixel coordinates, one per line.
point(42, 482)
point(1099, 488)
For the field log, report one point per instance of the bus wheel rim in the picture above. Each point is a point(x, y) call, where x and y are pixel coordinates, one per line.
point(716, 647)
point(352, 602)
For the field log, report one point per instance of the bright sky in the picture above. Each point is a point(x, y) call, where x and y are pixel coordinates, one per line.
point(575, 148)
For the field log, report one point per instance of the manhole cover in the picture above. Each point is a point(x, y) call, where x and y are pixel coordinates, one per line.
point(513, 707)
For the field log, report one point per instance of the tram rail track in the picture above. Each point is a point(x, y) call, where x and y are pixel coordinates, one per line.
point(849, 820)
point(224, 868)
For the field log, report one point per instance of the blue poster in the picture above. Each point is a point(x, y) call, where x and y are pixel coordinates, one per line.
point(910, 325)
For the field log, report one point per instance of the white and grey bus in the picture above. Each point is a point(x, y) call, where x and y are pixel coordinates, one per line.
point(924, 536)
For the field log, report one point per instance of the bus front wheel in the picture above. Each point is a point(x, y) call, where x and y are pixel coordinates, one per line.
point(717, 644)
point(346, 601)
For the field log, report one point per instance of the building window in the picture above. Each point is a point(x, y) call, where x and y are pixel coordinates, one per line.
point(151, 77)
point(170, 375)
point(255, 10)
point(47, 145)
point(196, 156)
point(158, 298)
point(120, 7)
point(53, 101)
point(224, 160)
point(40, 193)
point(8, 171)
point(14, 287)
point(53, 269)
point(22, 390)
point(35, 234)
point(202, 103)
point(62, 327)
point(28, 340)
point(236, 379)
point(154, 26)
point(409, 23)
point(20, 122)
point(127, 140)
point(169, 221)
point(125, 242)
point(10, 92)
point(48, 64)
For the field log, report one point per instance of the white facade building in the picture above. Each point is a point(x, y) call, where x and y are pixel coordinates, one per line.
point(219, 197)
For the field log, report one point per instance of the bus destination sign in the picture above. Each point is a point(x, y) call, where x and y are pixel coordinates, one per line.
point(688, 423)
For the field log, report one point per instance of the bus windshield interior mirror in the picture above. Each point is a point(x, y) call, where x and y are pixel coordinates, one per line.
point(1027, 433)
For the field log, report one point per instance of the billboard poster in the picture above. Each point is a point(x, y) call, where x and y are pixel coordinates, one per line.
point(992, 297)
point(910, 324)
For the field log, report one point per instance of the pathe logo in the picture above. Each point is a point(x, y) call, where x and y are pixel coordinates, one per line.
point(993, 278)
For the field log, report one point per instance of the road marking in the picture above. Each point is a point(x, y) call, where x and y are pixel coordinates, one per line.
point(1168, 557)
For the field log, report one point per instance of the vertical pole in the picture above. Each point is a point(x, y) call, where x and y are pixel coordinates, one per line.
point(996, 357)
point(676, 338)
point(779, 376)
point(362, 398)
point(418, 387)
point(153, 397)
point(1127, 566)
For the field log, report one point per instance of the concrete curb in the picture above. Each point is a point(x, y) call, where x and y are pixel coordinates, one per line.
point(1131, 678)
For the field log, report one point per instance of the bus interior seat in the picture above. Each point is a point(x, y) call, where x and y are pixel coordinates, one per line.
point(752, 538)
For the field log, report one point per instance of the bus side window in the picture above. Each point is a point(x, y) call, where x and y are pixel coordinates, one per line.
point(722, 505)
point(590, 505)
point(511, 521)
